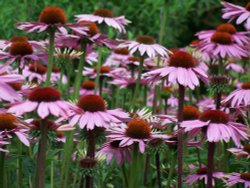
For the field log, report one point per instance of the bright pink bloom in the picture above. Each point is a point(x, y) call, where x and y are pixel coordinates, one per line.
point(136, 131)
point(240, 97)
point(44, 101)
point(242, 14)
point(92, 112)
point(201, 174)
point(182, 69)
point(238, 178)
point(111, 150)
point(217, 127)
point(146, 45)
point(105, 16)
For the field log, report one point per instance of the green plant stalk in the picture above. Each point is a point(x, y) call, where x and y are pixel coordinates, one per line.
point(98, 70)
point(19, 164)
point(138, 82)
point(171, 170)
point(52, 174)
point(124, 175)
point(51, 55)
point(2, 160)
point(163, 21)
point(41, 156)
point(134, 169)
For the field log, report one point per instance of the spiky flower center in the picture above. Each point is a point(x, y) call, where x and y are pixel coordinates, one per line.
point(37, 68)
point(248, 6)
point(115, 144)
point(103, 70)
point(201, 171)
point(16, 85)
point(91, 103)
point(245, 85)
point(103, 13)
point(226, 27)
point(52, 15)
point(18, 39)
point(245, 176)
point(214, 116)
point(92, 27)
point(87, 162)
point(44, 94)
point(145, 39)
point(182, 59)
point(134, 59)
point(247, 148)
point(222, 38)
point(121, 51)
point(88, 85)
point(138, 129)
point(7, 121)
point(190, 113)
point(21, 48)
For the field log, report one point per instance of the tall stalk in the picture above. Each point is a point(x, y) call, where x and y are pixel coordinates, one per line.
point(98, 70)
point(158, 169)
point(41, 156)
point(180, 136)
point(2, 168)
point(51, 55)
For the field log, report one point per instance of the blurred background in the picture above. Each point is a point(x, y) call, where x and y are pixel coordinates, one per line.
point(184, 17)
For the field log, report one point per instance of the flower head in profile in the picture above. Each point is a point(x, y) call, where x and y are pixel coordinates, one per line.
point(201, 174)
point(182, 68)
point(240, 97)
point(241, 14)
point(217, 126)
point(105, 16)
point(238, 178)
point(7, 92)
point(145, 45)
point(241, 152)
point(51, 16)
point(136, 131)
point(92, 112)
point(112, 149)
point(44, 101)
point(10, 125)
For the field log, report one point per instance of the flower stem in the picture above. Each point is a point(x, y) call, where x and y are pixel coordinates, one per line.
point(210, 162)
point(180, 136)
point(158, 168)
point(138, 82)
point(90, 153)
point(41, 156)
point(79, 76)
point(147, 163)
point(51, 55)
point(19, 164)
point(2, 160)
point(171, 170)
point(98, 70)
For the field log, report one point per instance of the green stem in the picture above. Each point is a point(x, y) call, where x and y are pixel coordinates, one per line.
point(51, 55)
point(138, 82)
point(52, 174)
point(2, 159)
point(79, 76)
point(41, 156)
point(98, 70)
point(163, 21)
point(171, 170)
point(124, 175)
point(19, 164)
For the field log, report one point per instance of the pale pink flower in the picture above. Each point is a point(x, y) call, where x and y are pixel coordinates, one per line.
point(182, 69)
point(241, 152)
point(111, 150)
point(44, 101)
point(240, 97)
point(217, 126)
point(101, 16)
point(238, 178)
point(145, 45)
point(235, 67)
point(241, 14)
point(92, 112)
